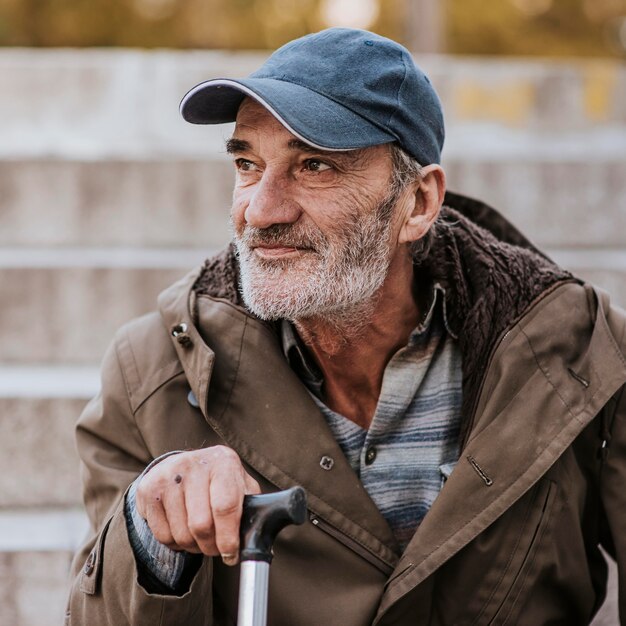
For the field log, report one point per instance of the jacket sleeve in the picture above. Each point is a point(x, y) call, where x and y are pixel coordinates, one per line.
point(613, 473)
point(105, 587)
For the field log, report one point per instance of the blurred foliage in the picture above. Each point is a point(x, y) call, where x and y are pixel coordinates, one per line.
point(524, 27)
point(546, 27)
point(227, 24)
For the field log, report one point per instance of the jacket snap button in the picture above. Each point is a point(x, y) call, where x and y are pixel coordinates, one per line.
point(89, 564)
point(370, 455)
point(180, 333)
point(179, 329)
point(326, 463)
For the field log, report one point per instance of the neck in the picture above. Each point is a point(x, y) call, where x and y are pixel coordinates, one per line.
point(353, 348)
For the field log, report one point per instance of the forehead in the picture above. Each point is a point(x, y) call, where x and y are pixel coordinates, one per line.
point(253, 116)
point(254, 121)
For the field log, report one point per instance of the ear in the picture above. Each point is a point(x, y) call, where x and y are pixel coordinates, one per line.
point(427, 198)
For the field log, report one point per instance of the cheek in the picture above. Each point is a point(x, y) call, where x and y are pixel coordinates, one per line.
point(333, 212)
point(343, 204)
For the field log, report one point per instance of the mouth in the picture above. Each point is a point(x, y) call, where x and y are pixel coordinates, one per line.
point(276, 251)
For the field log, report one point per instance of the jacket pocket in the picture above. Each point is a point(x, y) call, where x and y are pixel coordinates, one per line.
point(385, 567)
point(90, 574)
point(520, 564)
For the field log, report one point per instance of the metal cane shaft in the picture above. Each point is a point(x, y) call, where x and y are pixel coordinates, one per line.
point(262, 518)
point(253, 593)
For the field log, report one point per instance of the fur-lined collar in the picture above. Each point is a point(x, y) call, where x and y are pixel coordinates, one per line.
point(490, 272)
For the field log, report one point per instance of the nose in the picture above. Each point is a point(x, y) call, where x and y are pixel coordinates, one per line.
point(272, 201)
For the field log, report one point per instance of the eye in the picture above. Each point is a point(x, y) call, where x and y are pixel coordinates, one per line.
point(243, 165)
point(315, 165)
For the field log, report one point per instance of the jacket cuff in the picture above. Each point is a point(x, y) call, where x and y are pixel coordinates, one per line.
point(161, 568)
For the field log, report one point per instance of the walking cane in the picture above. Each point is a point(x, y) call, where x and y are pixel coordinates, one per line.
point(262, 519)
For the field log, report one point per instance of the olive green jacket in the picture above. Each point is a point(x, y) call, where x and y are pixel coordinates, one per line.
point(513, 536)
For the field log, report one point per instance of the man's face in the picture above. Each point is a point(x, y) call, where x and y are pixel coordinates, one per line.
point(313, 229)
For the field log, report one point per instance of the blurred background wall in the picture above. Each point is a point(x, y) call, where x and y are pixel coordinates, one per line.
point(106, 196)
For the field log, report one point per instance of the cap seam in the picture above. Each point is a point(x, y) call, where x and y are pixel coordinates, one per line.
point(398, 92)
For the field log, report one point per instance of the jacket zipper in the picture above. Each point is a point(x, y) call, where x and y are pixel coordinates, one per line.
point(372, 558)
point(494, 349)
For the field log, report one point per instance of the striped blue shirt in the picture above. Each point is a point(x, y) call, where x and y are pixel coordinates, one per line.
point(411, 445)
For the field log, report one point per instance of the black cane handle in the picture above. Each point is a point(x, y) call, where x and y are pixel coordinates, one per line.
point(264, 516)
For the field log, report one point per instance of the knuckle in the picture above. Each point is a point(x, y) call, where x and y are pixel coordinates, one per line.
point(215, 459)
point(227, 544)
point(185, 541)
point(201, 529)
point(163, 536)
point(226, 454)
point(226, 508)
point(144, 488)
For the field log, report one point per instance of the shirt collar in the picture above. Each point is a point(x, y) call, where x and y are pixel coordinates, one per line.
point(301, 362)
point(306, 368)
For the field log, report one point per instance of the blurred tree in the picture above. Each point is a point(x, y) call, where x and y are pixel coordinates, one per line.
point(546, 27)
point(529, 27)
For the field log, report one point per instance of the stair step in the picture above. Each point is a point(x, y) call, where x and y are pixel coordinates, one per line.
point(31, 382)
point(69, 315)
point(38, 459)
point(103, 258)
point(180, 204)
point(67, 312)
point(42, 530)
point(34, 587)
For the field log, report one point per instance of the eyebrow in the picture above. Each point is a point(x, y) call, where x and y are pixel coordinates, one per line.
point(237, 146)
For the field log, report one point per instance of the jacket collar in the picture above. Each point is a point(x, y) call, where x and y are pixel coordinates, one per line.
point(490, 272)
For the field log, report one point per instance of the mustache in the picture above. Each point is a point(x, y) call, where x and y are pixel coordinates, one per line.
point(288, 235)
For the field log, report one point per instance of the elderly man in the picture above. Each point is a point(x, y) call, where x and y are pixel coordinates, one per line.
point(450, 399)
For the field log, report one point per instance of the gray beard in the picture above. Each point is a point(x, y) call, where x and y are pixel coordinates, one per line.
point(336, 280)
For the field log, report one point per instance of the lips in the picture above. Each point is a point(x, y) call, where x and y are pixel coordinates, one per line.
point(276, 251)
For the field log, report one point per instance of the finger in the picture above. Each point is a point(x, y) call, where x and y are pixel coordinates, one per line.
point(199, 516)
point(176, 513)
point(157, 522)
point(252, 486)
point(226, 497)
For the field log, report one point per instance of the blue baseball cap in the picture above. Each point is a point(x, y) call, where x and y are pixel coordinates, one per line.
point(339, 89)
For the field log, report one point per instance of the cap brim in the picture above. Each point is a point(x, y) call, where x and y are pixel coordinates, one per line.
point(310, 116)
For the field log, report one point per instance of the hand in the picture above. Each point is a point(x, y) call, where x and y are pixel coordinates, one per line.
point(192, 501)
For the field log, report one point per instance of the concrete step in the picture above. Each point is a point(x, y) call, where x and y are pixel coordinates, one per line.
point(124, 102)
point(38, 459)
point(557, 204)
point(65, 308)
point(69, 314)
point(34, 587)
point(42, 529)
point(559, 199)
point(36, 548)
point(117, 202)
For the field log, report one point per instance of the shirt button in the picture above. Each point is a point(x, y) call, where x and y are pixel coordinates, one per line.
point(370, 455)
point(327, 462)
